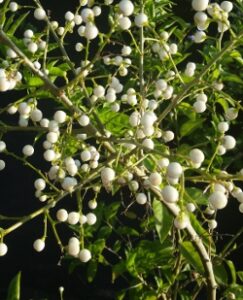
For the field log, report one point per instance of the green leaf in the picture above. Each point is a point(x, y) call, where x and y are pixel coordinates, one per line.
point(221, 275)
point(34, 81)
point(163, 219)
point(118, 269)
point(14, 288)
point(17, 23)
point(195, 195)
point(192, 256)
point(125, 230)
point(91, 270)
point(104, 232)
point(150, 296)
point(232, 78)
point(240, 275)
point(130, 264)
point(231, 267)
point(97, 247)
point(190, 126)
point(116, 123)
point(223, 103)
point(111, 210)
point(148, 251)
point(56, 71)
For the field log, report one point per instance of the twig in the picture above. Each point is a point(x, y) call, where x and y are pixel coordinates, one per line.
point(208, 267)
point(194, 82)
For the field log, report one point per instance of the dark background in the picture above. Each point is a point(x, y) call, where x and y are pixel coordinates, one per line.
point(42, 273)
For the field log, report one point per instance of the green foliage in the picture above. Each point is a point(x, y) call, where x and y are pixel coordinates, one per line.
point(14, 288)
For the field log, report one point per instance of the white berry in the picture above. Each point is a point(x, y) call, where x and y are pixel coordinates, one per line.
point(218, 200)
point(85, 255)
point(170, 194)
point(155, 178)
point(126, 7)
point(91, 218)
point(229, 142)
point(3, 249)
point(141, 20)
point(141, 198)
point(60, 116)
point(40, 184)
point(28, 150)
point(39, 14)
point(196, 156)
point(181, 221)
point(39, 245)
point(199, 5)
point(174, 170)
point(62, 215)
point(73, 218)
point(226, 6)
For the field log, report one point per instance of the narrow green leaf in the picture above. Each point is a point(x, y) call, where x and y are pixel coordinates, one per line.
point(56, 71)
point(111, 210)
point(190, 126)
point(91, 270)
point(221, 275)
point(240, 275)
point(223, 103)
point(231, 267)
point(17, 23)
point(192, 256)
point(195, 195)
point(14, 288)
point(34, 82)
point(125, 230)
point(98, 246)
point(163, 220)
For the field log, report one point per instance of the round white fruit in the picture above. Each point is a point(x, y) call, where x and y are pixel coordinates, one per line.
point(212, 224)
point(91, 218)
point(155, 178)
point(126, 7)
point(73, 218)
point(181, 221)
point(218, 200)
point(39, 245)
point(229, 142)
point(141, 198)
point(170, 194)
point(40, 184)
point(3, 249)
point(199, 107)
point(199, 5)
point(28, 150)
point(62, 215)
point(141, 20)
point(60, 116)
point(226, 6)
point(107, 174)
point(39, 14)
point(196, 156)
point(85, 255)
point(73, 246)
point(174, 170)
point(223, 127)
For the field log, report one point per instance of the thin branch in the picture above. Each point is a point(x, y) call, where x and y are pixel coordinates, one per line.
point(194, 82)
point(211, 282)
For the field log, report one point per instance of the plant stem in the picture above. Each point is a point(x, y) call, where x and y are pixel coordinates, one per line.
point(211, 282)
